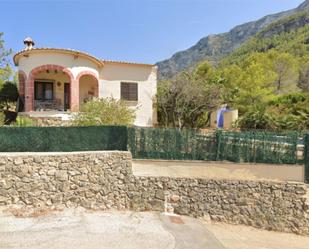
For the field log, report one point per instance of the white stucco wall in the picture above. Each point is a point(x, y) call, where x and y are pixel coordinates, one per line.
point(111, 77)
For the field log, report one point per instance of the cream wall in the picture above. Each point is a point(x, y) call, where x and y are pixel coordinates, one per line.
point(146, 76)
point(110, 76)
point(75, 65)
point(87, 85)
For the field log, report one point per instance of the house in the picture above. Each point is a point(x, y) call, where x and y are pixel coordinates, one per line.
point(61, 80)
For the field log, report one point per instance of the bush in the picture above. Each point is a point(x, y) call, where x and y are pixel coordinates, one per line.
point(2, 118)
point(256, 118)
point(24, 122)
point(107, 111)
point(8, 95)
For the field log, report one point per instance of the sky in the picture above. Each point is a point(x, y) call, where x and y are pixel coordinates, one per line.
point(144, 31)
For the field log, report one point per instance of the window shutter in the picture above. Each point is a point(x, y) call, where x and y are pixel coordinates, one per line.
point(129, 91)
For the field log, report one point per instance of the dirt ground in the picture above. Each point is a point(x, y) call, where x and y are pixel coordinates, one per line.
point(218, 170)
point(82, 229)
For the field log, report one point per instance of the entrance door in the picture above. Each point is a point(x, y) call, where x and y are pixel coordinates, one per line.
point(66, 96)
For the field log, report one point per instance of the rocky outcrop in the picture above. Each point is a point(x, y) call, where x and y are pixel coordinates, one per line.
point(214, 47)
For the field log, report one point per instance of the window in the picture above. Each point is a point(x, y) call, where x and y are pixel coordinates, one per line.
point(43, 90)
point(129, 91)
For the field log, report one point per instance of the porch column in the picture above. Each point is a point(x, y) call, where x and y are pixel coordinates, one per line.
point(29, 95)
point(74, 95)
point(22, 82)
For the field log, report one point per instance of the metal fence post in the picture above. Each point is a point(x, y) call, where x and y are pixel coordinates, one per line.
point(218, 140)
point(306, 156)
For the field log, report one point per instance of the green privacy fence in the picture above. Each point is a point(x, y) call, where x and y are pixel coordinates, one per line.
point(254, 147)
point(44, 139)
point(306, 154)
point(156, 143)
point(258, 147)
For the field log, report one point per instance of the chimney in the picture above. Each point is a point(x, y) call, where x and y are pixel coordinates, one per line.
point(29, 43)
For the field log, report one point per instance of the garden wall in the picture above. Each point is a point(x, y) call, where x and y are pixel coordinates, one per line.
point(104, 181)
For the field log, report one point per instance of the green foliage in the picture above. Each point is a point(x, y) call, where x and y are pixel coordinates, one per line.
point(8, 95)
point(256, 118)
point(2, 118)
point(6, 71)
point(107, 111)
point(187, 99)
point(284, 112)
point(287, 35)
point(250, 82)
point(256, 79)
point(24, 122)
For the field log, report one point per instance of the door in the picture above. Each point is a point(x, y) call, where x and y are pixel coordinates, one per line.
point(66, 96)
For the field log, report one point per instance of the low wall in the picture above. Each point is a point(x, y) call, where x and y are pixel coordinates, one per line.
point(90, 179)
point(104, 181)
point(268, 205)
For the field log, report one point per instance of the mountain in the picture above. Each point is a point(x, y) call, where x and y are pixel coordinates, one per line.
point(215, 47)
point(290, 34)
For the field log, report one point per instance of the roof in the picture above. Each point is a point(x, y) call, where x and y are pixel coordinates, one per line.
point(128, 63)
point(77, 53)
point(62, 50)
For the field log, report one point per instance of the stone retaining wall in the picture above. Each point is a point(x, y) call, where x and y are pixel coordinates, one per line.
point(275, 206)
point(93, 180)
point(104, 181)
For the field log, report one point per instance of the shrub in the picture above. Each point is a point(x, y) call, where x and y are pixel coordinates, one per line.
point(102, 111)
point(256, 118)
point(8, 95)
point(2, 118)
point(24, 121)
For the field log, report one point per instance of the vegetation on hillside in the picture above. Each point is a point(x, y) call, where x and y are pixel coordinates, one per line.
point(215, 47)
point(266, 79)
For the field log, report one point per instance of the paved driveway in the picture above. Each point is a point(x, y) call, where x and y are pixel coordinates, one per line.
point(218, 170)
point(80, 229)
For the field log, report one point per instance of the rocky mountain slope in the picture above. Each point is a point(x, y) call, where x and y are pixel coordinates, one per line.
point(215, 47)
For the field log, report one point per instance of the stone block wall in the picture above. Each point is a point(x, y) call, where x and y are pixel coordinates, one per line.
point(279, 206)
point(95, 180)
point(104, 181)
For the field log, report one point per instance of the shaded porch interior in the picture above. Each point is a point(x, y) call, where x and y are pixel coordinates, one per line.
point(52, 90)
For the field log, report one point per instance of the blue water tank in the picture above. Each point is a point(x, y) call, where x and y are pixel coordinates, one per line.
point(220, 117)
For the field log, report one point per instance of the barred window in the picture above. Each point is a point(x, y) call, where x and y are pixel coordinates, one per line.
point(129, 91)
point(43, 90)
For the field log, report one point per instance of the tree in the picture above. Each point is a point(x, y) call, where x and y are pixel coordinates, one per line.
point(104, 111)
point(7, 89)
point(249, 82)
point(185, 99)
point(303, 80)
point(285, 66)
point(6, 71)
point(8, 94)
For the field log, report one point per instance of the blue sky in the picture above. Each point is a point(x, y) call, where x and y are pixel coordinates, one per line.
point(130, 30)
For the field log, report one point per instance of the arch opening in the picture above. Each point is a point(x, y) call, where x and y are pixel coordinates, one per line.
point(88, 87)
point(48, 88)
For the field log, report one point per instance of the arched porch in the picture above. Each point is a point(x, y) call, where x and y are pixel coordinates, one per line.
point(88, 85)
point(48, 87)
